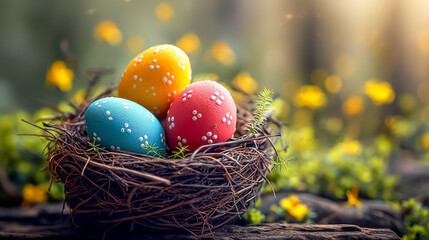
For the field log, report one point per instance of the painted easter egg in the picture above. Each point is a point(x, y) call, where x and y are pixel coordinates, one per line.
point(203, 113)
point(120, 124)
point(155, 77)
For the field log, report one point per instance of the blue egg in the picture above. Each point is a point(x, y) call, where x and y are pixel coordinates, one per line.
point(120, 124)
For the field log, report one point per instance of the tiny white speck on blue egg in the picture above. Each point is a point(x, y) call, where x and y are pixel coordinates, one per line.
point(122, 125)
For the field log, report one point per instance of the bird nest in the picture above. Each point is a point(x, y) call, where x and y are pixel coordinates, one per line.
point(198, 193)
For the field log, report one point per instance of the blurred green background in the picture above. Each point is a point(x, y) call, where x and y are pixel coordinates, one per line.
point(351, 78)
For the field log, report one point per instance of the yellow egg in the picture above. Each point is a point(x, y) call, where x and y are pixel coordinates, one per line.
point(155, 77)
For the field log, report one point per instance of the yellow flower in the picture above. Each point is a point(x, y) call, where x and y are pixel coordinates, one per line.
point(189, 43)
point(33, 194)
point(295, 208)
point(353, 105)
point(108, 31)
point(352, 197)
point(333, 84)
point(78, 97)
point(59, 75)
point(425, 141)
point(164, 11)
point(350, 147)
point(221, 51)
point(379, 92)
point(245, 82)
point(135, 44)
point(310, 96)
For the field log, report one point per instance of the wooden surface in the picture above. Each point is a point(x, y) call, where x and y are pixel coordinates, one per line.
point(372, 213)
point(44, 222)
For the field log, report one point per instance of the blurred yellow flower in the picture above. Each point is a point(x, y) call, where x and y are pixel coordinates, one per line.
point(164, 11)
point(318, 76)
point(189, 43)
point(245, 82)
point(425, 141)
point(310, 96)
point(78, 97)
point(350, 147)
point(333, 84)
point(353, 105)
point(135, 44)
point(33, 194)
point(353, 198)
point(59, 75)
point(107, 31)
point(295, 208)
point(221, 51)
point(379, 92)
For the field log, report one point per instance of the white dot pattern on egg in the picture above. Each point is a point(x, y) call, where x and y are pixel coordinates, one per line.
point(203, 113)
point(120, 124)
point(154, 79)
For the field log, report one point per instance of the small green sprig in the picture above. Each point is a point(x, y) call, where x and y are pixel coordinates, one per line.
point(181, 152)
point(93, 147)
point(263, 104)
point(281, 162)
point(154, 150)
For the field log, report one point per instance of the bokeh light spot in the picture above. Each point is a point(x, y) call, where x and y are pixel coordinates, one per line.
point(318, 76)
point(245, 82)
point(189, 43)
point(353, 105)
point(164, 11)
point(61, 76)
point(345, 66)
point(333, 84)
point(135, 44)
point(107, 31)
point(221, 51)
point(423, 41)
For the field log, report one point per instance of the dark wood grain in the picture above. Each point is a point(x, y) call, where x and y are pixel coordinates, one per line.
point(45, 222)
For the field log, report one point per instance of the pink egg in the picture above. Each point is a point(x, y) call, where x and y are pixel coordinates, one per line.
point(203, 113)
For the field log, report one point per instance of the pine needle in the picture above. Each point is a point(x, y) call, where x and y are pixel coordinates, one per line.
point(263, 104)
point(180, 153)
point(153, 149)
point(281, 162)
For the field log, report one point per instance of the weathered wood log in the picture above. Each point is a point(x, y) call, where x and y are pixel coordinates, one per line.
point(44, 222)
point(372, 214)
point(262, 231)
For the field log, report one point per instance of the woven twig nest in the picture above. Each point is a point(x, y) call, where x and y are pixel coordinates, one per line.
point(198, 193)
